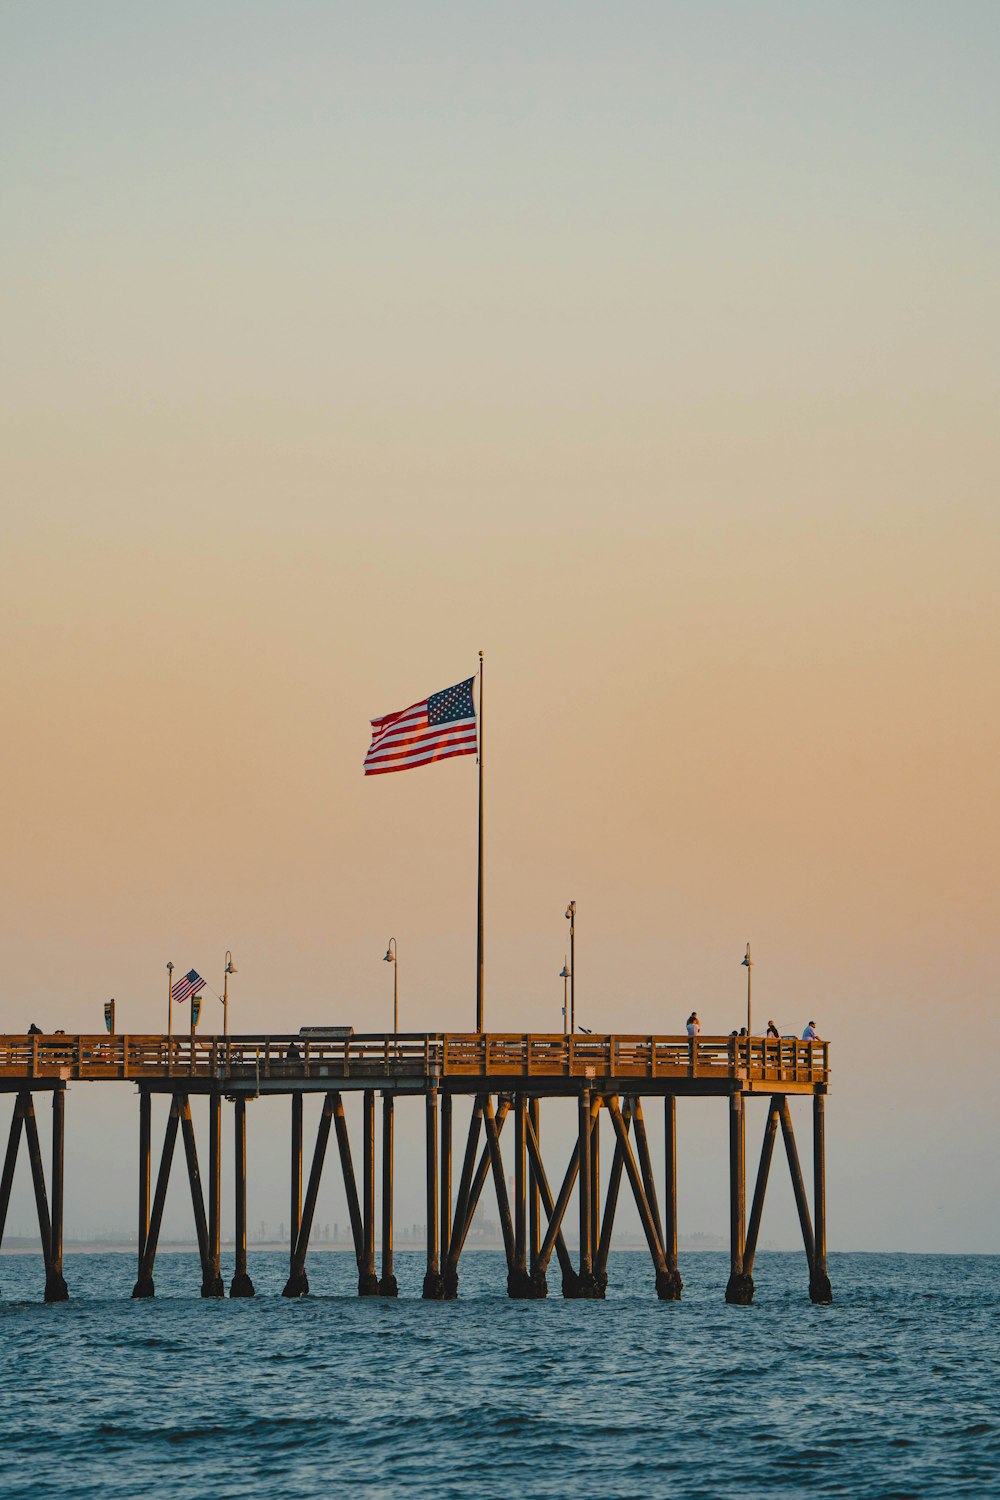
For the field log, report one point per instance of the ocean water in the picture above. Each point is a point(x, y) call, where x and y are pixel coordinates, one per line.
point(893, 1392)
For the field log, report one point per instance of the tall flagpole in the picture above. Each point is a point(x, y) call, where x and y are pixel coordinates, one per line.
point(479, 914)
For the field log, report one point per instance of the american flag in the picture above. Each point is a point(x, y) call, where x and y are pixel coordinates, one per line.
point(189, 985)
point(436, 728)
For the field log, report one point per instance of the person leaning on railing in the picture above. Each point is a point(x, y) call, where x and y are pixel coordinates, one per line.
point(693, 1024)
point(811, 1034)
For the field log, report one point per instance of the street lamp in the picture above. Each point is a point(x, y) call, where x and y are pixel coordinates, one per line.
point(391, 957)
point(571, 919)
point(229, 969)
point(748, 965)
point(564, 975)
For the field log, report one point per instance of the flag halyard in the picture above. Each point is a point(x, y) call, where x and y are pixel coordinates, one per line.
point(437, 728)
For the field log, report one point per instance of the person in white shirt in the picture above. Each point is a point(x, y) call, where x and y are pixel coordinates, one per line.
point(693, 1024)
point(811, 1034)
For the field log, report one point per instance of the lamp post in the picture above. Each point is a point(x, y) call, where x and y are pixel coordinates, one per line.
point(564, 975)
point(391, 957)
point(170, 999)
point(748, 965)
point(229, 969)
point(571, 919)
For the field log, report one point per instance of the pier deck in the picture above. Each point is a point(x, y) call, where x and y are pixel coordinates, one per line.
point(455, 1062)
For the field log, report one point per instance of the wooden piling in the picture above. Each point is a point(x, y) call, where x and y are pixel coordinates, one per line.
point(672, 1284)
point(212, 1285)
point(757, 1206)
point(433, 1287)
point(798, 1185)
point(144, 1286)
point(819, 1282)
point(10, 1160)
point(534, 1199)
point(459, 1228)
point(297, 1284)
point(739, 1289)
point(367, 1277)
point(350, 1182)
point(555, 1210)
point(41, 1198)
point(649, 1226)
point(611, 1202)
point(295, 1185)
point(241, 1285)
point(587, 1285)
point(600, 1279)
point(197, 1195)
point(145, 1159)
point(387, 1286)
point(55, 1285)
point(445, 1185)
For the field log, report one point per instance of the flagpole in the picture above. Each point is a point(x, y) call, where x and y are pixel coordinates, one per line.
point(479, 912)
point(170, 996)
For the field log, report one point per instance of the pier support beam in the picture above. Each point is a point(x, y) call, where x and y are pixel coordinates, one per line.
point(144, 1286)
point(460, 1227)
point(367, 1278)
point(555, 1212)
point(518, 1281)
point(587, 1286)
point(533, 1124)
point(649, 1225)
point(10, 1160)
point(212, 1285)
point(757, 1207)
point(445, 1188)
point(669, 1285)
point(433, 1288)
point(739, 1289)
point(55, 1285)
point(611, 1202)
point(145, 1158)
point(819, 1282)
point(297, 1284)
point(197, 1195)
point(241, 1285)
point(350, 1182)
point(387, 1286)
point(295, 1202)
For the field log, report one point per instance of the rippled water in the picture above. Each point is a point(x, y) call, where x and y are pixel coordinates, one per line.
point(891, 1392)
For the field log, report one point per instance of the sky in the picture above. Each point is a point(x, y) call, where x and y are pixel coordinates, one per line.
point(651, 349)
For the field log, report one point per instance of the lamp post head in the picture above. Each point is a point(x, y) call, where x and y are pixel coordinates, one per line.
point(571, 911)
point(390, 952)
point(230, 966)
point(747, 960)
point(564, 972)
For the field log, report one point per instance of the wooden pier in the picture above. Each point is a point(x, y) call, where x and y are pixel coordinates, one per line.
point(505, 1075)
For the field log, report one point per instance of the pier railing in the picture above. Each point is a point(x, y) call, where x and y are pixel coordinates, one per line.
point(414, 1057)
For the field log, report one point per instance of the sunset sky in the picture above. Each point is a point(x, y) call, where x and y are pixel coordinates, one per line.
point(651, 348)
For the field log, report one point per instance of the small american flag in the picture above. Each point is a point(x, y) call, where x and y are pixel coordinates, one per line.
point(189, 985)
point(436, 728)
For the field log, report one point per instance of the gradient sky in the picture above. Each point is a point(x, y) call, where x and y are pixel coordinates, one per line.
point(652, 348)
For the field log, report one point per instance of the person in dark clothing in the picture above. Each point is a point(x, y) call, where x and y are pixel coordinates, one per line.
point(772, 1030)
point(34, 1030)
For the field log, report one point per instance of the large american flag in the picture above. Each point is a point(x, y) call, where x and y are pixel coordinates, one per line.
point(189, 985)
point(436, 728)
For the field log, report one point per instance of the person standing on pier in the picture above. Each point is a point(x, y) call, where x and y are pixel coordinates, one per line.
point(693, 1024)
point(772, 1031)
